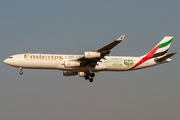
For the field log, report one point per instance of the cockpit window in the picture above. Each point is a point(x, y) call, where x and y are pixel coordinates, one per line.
point(10, 57)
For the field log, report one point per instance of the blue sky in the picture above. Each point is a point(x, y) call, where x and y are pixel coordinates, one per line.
point(73, 27)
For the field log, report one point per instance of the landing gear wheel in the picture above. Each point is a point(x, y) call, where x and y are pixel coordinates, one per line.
point(92, 75)
point(86, 77)
point(21, 72)
point(91, 80)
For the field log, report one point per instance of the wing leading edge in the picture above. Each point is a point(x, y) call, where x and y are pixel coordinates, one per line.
point(103, 52)
point(107, 49)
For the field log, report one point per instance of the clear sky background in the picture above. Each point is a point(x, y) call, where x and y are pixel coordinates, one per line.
point(76, 26)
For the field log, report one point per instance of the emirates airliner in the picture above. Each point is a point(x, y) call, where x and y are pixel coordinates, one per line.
point(93, 61)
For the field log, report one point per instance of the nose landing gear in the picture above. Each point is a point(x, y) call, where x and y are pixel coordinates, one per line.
point(21, 72)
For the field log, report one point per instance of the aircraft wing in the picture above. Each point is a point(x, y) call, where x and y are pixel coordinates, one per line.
point(107, 49)
point(101, 52)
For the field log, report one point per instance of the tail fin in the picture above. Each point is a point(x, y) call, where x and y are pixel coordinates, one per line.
point(158, 52)
point(161, 48)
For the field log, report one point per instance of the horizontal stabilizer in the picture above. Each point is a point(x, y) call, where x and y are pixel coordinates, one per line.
point(165, 57)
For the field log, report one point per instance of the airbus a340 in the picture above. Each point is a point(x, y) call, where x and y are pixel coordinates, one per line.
point(93, 61)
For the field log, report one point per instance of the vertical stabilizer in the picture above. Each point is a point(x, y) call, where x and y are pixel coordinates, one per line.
point(162, 47)
point(158, 51)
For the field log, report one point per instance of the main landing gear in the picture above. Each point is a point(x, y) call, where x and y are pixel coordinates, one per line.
point(21, 72)
point(90, 76)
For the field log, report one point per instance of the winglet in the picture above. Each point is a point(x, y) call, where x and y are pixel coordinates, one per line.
point(120, 38)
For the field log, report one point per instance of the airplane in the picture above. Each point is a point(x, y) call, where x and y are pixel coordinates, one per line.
point(93, 61)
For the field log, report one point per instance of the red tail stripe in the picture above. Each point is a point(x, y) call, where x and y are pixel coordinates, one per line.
point(147, 57)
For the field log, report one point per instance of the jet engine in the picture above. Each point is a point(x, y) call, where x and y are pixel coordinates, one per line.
point(71, 64)
point(82, 74)
point(69, 73)
point(92, 54)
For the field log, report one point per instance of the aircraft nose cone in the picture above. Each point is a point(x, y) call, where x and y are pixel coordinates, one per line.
point(5, 61)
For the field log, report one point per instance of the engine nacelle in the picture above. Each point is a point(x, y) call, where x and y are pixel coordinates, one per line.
point(82, 74)
point(69, 73)
point(92, 54)
point(71, 64)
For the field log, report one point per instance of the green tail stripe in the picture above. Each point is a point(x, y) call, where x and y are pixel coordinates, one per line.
point(165, 44)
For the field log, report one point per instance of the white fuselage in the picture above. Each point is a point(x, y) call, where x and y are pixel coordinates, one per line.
point(93, 61)
point(56, 61)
